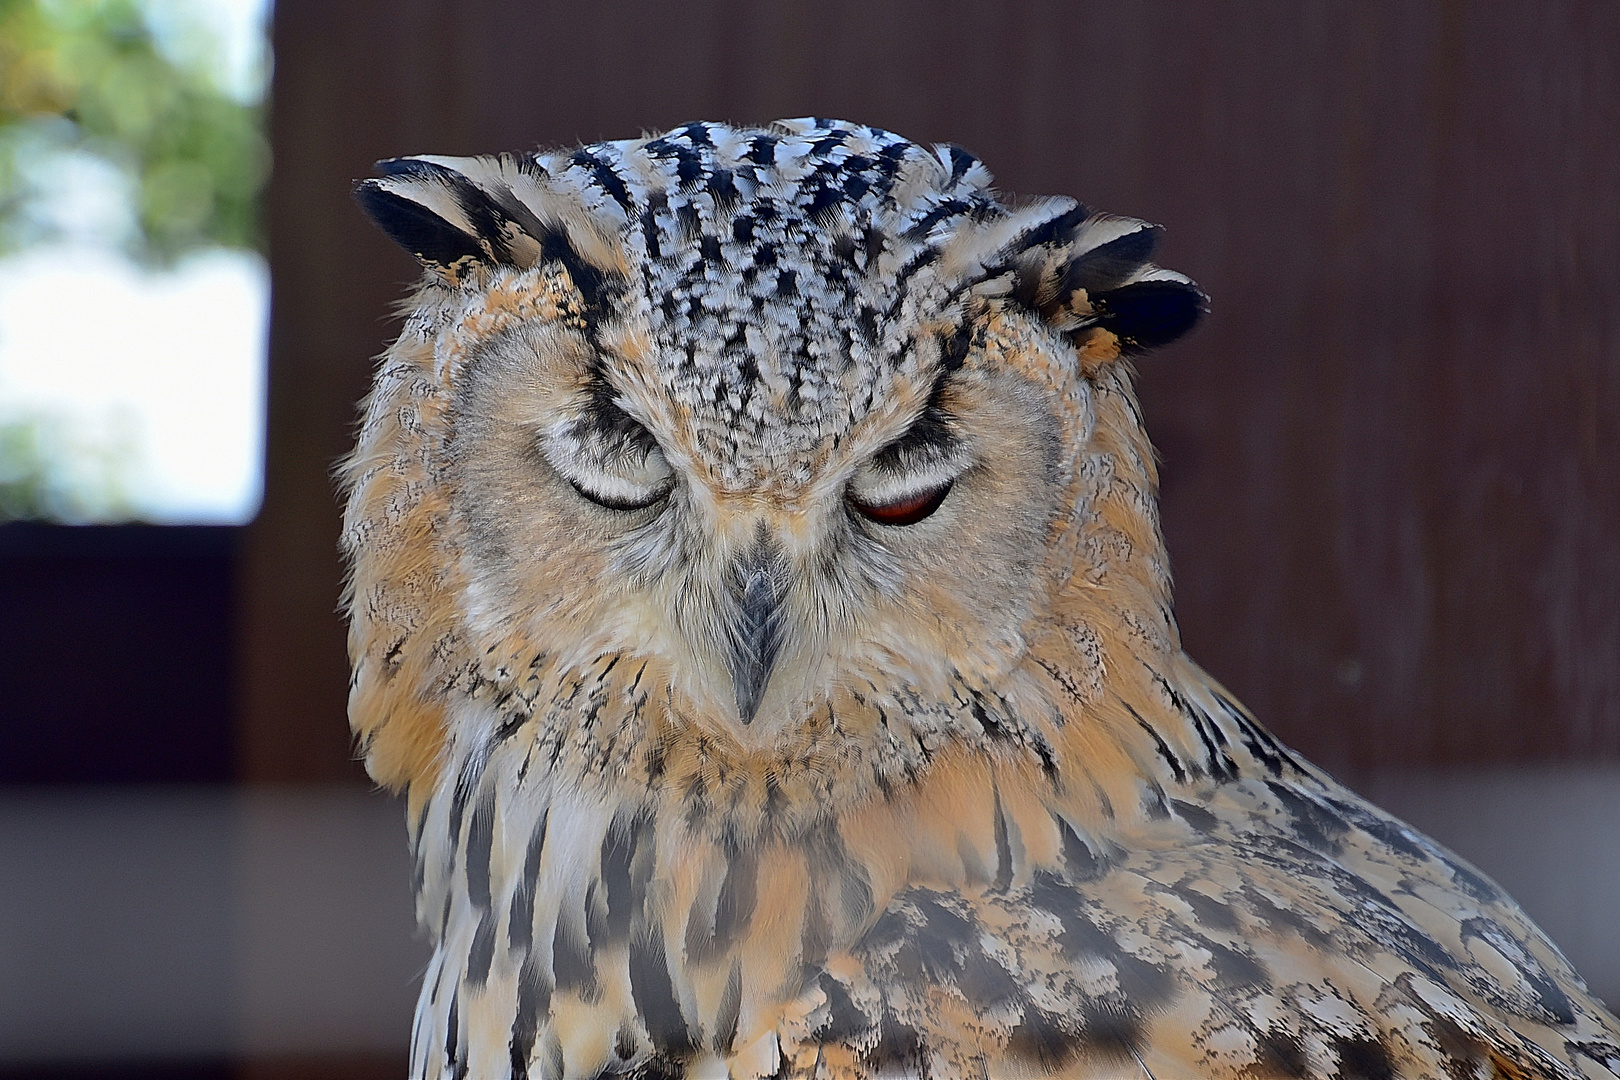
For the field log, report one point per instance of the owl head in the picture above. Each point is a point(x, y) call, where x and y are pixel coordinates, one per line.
point(758, 419)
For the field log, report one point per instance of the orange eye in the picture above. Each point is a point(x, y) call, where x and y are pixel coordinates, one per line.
point(907, 511)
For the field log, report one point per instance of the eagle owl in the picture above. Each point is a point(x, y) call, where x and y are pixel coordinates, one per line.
point(757, 589)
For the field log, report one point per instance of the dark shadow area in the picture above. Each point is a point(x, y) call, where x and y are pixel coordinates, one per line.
point(334, 1067)
point(116, 653)
point(156, 1070)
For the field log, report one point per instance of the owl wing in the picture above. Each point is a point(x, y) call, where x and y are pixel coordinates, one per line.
point(1262, 929)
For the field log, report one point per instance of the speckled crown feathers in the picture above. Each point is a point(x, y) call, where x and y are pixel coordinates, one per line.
point(785, 273)
point(818, 217)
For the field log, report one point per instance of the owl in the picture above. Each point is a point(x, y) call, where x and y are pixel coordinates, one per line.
point(757, 592)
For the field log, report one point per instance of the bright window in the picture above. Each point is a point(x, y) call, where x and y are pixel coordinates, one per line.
point(133, 291)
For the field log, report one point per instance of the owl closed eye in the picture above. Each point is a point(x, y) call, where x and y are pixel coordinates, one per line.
point(608, 457)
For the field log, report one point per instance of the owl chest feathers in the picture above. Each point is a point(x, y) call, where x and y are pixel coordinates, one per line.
point(596, 929)
point(1226, 911)
point(691, 902)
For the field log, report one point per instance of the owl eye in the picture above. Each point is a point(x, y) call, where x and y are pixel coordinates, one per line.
point(628, 477)
point(625, 500)
point(906, 510)
point(610, 460)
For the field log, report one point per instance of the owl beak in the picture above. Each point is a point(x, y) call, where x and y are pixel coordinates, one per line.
point(756, 641)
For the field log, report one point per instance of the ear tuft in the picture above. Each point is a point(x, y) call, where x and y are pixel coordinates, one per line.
point(413, 226)
point(1112, 262)
point(436, 209)
point(1154, 310)
point(1084, 272)
point(454, 213)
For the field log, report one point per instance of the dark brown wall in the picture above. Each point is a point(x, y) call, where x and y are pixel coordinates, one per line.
point(115, 654)
point(1390, 454)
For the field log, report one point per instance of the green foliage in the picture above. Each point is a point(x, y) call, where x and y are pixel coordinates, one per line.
point(88, 76)
point(44, 476)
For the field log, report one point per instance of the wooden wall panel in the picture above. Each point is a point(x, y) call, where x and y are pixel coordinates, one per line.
point(1390, 454)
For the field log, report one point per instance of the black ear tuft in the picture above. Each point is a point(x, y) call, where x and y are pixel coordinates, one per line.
point(1084, 272)
point(1149, 313)
point(414, 227)
point(446, 211)
point(1109, 265)
point(408, 166)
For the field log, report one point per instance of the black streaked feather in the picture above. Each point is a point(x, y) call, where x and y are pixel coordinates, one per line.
point(1148, 314)
point(414, 227)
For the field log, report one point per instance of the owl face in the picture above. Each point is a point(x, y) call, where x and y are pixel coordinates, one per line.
point(921, 524)
point(778, 411)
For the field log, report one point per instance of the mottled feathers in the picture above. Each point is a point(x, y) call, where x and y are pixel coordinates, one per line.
point(757, 589)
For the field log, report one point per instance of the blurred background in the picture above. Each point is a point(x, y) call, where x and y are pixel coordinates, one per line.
point(1391, 455)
